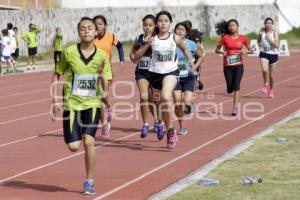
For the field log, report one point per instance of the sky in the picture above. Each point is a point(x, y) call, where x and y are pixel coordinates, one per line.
point(291, 8)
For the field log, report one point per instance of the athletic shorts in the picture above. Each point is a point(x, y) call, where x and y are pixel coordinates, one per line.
point(32, 51)
point(5, 58)
point(186, 84)
point(272, 58)
point(233, 77)
point(16, 53)
point(57, 57)
point(156, 79)
point(142, 74)
point(77, 123)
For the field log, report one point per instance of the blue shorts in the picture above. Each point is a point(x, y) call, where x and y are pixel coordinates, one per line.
point(84, 122)
point(141, 74)
point(186, 84)
point(272, 58)
point(156, 79)
point(5, 58)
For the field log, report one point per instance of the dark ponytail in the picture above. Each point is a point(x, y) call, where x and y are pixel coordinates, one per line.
point(222, 26)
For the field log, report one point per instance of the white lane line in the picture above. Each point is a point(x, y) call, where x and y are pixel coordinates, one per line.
point(30, 138)
point(66, 158)
point(188, 153)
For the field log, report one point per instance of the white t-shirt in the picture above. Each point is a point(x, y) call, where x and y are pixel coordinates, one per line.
point(13, 41)
point(164, 58)
point(266, 46)
point(6, 46)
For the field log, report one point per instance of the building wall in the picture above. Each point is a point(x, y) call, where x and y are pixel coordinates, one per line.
point(126, 22)
point(32, 4)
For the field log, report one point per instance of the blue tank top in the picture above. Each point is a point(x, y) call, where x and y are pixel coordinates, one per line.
point(143, 64)
point(183, 63)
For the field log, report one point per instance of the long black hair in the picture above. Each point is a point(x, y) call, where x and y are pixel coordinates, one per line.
point(222, 26)
point(196, 36)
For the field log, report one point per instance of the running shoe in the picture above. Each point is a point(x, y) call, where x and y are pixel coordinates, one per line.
point(182, 131)
point(235, 112)
point(264, 89)
point(171, 138)
point(144, 131)
point(88, 187)
point(105, 130)
point(109, 115)
point(160, 132)
point(155, 126)
point(271, 93)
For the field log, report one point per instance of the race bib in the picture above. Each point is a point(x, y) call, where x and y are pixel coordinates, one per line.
point(164, 56)
point(267, 48)
point(233, 59)
point(181, 65)
point(144, 63)
point(85, 85)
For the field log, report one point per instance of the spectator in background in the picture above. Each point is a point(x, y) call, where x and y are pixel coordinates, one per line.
point(57, 45)
point(15, 54)
point(6, 50)
point(12, 36)
point(31, 38)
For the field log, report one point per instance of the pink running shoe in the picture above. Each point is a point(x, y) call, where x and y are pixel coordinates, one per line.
point(264, 89)
point(271, 93)
point(105, 130)
point(235, 112)
point(171, 138)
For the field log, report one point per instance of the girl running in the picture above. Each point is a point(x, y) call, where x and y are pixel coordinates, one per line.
point(233, 63)
point(142, 73)
point(105, 41)
point(268, 40)
point(197, 37)
point(163, 69)
point(57, 45)
point(184, 91)
point(82, 65)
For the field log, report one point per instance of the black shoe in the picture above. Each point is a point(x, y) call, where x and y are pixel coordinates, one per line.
point(200, 85)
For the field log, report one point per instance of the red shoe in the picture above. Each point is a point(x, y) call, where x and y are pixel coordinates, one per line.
point(105, 130)
point(264, 89)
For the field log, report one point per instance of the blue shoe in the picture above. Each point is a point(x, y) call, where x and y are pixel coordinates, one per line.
point(155, 126)
point(144, 131)
point(88, 188)
point(160, 132)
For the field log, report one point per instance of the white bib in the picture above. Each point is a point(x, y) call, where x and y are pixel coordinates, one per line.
point(144, 63)
point(233, 60)
point(85, 85)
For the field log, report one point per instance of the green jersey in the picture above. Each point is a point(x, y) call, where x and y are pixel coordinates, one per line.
point(31, 37)
point(57, 43)
point(81, 88)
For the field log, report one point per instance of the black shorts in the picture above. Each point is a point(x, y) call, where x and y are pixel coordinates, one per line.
point(32, 51)
point(141, 74)
point(16, 53)
point(156, 79)
point(272, 58)
point(84, 122)
point(233, 76)
point(186, 84)
point(57, 57)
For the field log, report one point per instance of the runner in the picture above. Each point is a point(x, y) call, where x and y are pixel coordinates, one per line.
point(197, 37)
point(184, 91)
point(233, 62)
point(268, 40)
point(82, 66)
point(142, 75)
point(164, 70)
point(57, 45)
point(31, 38)
point(106, 41)
point(6, 51)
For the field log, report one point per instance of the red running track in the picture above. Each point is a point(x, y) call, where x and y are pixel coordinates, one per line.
point(35, 163)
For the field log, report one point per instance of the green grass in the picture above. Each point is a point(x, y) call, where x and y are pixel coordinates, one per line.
point(277, 164)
